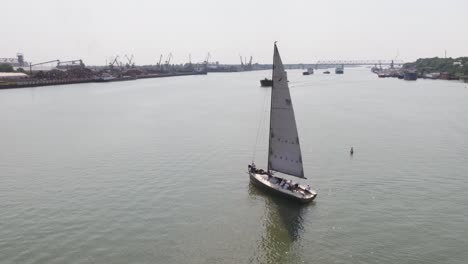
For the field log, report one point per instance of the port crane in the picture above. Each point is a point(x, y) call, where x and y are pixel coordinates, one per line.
point(130, 62)
point(114, 62)
point(248, 65)
point(208, 56)
point(41, 63)
point(159, 63)
point(207, 61)
point(168, 60)
point(392, 64)
point(244, 64)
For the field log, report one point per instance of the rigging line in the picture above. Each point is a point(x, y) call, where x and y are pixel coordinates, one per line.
point(260, 125)
point(262, 136)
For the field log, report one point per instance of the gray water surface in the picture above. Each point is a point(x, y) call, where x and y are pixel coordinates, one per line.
point(154, 171)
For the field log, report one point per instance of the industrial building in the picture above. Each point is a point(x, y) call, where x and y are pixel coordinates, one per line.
point(17, 62)
point(9, 76)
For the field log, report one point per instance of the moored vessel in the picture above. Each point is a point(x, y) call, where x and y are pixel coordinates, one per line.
point(308, 72)
point(266, 83)
point(410, 75)
point(339, 70)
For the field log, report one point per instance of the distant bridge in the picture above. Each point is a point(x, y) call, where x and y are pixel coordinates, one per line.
point(359, 62)
point(344, 63)
point(334, 63)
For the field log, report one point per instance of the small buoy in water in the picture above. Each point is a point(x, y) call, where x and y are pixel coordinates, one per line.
point(351, 152)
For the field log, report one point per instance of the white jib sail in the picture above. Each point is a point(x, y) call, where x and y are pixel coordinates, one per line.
point(285, 151)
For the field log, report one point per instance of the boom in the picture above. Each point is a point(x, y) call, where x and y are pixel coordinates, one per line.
point(41, 63)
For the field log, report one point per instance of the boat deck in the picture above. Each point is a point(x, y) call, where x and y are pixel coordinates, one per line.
point(273, 183)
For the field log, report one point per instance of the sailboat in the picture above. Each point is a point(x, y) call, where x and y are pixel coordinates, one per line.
point(284, 155)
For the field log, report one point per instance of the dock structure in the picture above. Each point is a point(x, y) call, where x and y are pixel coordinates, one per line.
point(38, 83)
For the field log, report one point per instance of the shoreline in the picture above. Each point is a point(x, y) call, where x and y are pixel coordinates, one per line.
point(40, 83)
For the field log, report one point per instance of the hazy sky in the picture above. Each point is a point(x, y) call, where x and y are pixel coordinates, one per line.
point(307, 30)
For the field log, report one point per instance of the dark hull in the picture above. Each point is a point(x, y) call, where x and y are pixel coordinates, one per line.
point(266, 83)
point(273, 191)
point(118, 79)
point(410, 76)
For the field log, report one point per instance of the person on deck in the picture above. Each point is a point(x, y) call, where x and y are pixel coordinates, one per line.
point(254, 169)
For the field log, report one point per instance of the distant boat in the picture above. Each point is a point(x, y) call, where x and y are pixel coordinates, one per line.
point(447, 76)
point(308, 72)
point(433, 75)
point(284, 154)
point(339, 70)
point(115, 79)
point(266, 83)
point(410, 75)
point(106, 78)
point(383, 75)
point(326, 72)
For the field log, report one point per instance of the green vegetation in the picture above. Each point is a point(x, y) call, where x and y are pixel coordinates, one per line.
point(449, 65)
point(6, 67)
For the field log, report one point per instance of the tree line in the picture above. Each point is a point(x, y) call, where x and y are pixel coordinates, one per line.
point(455, 66)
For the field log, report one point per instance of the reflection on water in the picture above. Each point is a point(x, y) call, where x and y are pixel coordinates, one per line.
point(283, 226)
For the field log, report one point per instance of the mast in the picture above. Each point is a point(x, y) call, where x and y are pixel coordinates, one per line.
point(271, 100)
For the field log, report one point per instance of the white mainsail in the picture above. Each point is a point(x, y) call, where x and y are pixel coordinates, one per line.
point(284, 149)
